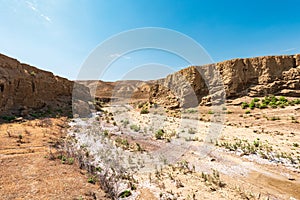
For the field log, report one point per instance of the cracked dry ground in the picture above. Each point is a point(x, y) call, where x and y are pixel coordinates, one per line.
point(26, 172)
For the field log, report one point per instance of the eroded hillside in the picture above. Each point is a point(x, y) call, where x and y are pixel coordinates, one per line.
point(28, 91)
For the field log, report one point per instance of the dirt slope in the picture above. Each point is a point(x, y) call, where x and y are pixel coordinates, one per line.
point(26, 172)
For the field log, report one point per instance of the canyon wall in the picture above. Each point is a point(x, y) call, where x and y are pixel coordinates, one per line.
point(259, 76)
point(26, 90)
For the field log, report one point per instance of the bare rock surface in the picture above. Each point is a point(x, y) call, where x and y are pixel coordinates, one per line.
point(25, 89)
point(259, 76)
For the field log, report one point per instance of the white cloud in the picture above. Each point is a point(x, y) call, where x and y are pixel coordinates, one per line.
point(287, 50)
point(34, 8)
point(46, 18)
point(116, 55)
point(31, 6)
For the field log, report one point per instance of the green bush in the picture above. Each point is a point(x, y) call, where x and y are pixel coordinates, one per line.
point(92, 180)
point(252, 105)
point(245, 105)
point(263, 105)
point(256, 100)
point(125, 122)
point(266, 100)
point(144, 111)
point(105, 132)
point(71, 161)
point(135, 127)
point(123, 142)
point(8, 118)
point(210, 112)
point(191, 111)
point(271, 101)
point(125, 194)
point(159, 134)
point(282, 99)
point(274, 118)
point(296, 101)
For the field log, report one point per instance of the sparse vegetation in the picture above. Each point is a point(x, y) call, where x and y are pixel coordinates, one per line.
point(270, 101)
point(122, 142)
point(159, 134)
point(191, 131)
point(135, 128)
point(144, 111)
point(190, 111)
point(274, 118)
point(8, 118)
point(210, 112)
point(125, 122)
point(125, 194)
point(92, 180)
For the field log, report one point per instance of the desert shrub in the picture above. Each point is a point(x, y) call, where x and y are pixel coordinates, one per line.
point(98, 169)
point(92, 180)
point(296, 101)
point(71, 161)
point(283, 99)
point(272, 104)
point(190, 111)
point(256, 100)
point(273, 98)
point(252, 105)
point(125, 194)
point(142, 104)
point(274, 118)
point(135, 128)
point(122, 142)
point(125, 122)
point(245, 105)
point(159, 134)
point(8, 118)
point(105, 132)
point(247, 112)
point(256, 142)
point(144, 111)
point(266, 101)
point(262, 106)
point(191, 131)
point(210, 112)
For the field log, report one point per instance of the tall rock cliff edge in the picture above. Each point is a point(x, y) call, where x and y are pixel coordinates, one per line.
point(26, 90)
point(259, 76)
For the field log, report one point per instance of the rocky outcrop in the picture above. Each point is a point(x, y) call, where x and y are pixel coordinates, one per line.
point(128, 90)
point(27, 90)
point(259, 76)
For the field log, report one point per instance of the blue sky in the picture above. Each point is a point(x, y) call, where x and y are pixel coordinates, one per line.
point(58, 35)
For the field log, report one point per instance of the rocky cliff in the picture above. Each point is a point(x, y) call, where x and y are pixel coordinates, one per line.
point(130, 90)
point(259, 76)
point(26, 90)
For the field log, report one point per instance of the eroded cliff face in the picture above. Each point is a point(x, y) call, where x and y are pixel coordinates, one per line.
point(124, 90)
point(25, 90)
point(259, 76)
